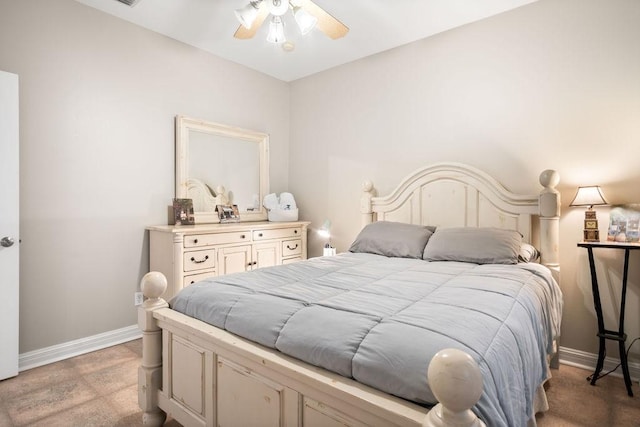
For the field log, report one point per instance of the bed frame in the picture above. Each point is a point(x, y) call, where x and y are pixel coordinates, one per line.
point(205, 376)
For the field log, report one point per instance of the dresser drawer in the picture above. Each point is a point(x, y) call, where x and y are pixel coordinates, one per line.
point(203, 240)
point(193, 278)
point(186, 255)
point(291, 248)
point(279, 233)
point(199, 260)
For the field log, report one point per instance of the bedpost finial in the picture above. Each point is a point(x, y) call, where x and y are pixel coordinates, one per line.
point(549, 178)
point(367, 186)
point(456, 381)
point(153, 284)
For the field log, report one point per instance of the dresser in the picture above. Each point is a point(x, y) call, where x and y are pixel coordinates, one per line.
point(187, 254)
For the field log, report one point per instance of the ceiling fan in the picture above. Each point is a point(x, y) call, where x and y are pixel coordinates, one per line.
point(306, 13)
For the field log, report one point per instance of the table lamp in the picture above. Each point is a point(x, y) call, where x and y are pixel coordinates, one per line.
point(590, 196)
point(325, 231)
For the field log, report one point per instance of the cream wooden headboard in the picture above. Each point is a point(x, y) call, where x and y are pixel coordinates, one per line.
point(456, 195)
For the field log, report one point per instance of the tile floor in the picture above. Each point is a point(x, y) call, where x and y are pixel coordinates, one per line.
point(100, 389)
point(94, 389)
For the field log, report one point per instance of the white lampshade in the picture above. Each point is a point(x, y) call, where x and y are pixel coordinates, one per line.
point(306, 22)
point(247, 14)
point(589, 196)
point(276, 31)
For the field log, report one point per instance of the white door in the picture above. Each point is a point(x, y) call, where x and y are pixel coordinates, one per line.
point(9, 224)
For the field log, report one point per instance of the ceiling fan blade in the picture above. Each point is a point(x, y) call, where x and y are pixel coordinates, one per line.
point(326, 23)
point(244, 33)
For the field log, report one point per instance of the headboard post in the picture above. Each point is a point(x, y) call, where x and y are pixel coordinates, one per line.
point(549, 202)
point(366, 209)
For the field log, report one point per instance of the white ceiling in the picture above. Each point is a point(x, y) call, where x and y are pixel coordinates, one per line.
point(375, 26)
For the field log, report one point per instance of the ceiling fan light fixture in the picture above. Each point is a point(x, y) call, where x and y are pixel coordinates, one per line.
point(278, 7)
point(288, 46)
point(306, 22)
point(248, 14)
point(306, 13)
point(276, 31)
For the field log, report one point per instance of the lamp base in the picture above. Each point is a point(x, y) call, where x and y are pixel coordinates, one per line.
point(328, 251)
point(591, 235)
point(590, 231)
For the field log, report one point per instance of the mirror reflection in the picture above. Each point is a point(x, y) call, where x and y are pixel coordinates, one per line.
point(221, 165)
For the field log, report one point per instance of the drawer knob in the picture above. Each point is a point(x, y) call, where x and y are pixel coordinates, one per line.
point(206, 257)
point(255, 262)
point(242, 236)
point(292, 248)
point(259, 234)
point(195, 241)
point(295, 231)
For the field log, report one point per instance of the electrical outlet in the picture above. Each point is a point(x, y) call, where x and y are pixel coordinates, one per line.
point(137, 298)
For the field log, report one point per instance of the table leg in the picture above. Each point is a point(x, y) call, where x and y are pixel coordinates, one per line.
point(598, 307)
point(604, 334)
point(622, 335)
point(600, 363)
point(625, 368)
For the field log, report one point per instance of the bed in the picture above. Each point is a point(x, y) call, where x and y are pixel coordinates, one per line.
point(224, 370)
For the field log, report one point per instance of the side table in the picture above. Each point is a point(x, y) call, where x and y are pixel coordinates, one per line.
point(603, 333)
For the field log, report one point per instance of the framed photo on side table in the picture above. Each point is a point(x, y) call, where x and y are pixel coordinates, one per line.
point(183, 212)
point(228, 213)
point(624, 224)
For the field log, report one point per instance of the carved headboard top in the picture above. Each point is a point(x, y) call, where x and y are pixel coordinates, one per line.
point(458, 195)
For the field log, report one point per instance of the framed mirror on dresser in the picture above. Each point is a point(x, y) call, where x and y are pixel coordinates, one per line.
point(216, 165)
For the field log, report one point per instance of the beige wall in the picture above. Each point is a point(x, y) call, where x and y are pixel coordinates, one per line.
point(554, 84)
point(550, 85)
point(97, 101)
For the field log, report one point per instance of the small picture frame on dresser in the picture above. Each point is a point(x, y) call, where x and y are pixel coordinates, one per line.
point(183, 212)
point(228, 213)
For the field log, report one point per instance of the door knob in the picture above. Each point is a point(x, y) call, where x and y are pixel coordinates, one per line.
point(6, 241)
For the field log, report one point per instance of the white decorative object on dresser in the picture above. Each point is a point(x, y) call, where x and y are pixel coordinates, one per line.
point(190, 253)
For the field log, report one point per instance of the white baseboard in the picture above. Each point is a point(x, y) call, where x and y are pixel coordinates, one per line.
point(55, 353)
point(33, 359)
point(581, 359)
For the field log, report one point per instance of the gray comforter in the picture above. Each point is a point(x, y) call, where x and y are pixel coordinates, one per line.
point(380, 320)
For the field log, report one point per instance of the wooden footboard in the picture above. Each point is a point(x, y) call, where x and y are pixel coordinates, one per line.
point(204, 376)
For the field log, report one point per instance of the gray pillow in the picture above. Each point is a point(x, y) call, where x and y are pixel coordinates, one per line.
point(528, 253)
point(474, 244)
point(393, 239)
